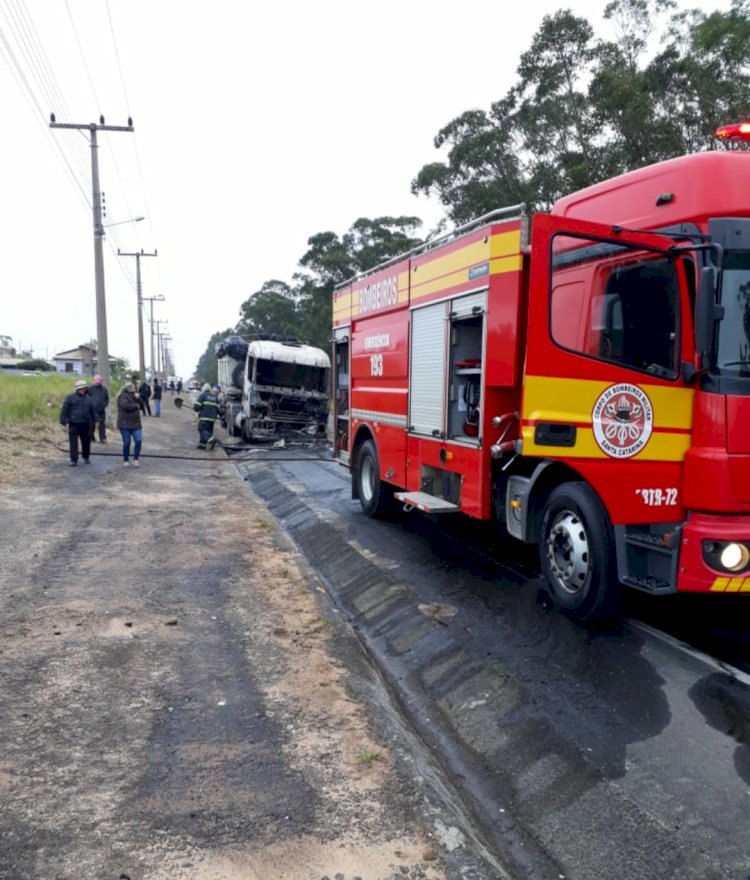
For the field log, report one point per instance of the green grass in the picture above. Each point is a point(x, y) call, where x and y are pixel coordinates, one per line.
point(33, 399)
point(369, 756)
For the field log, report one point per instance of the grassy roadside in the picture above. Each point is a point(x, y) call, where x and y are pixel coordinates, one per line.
point(30, 420)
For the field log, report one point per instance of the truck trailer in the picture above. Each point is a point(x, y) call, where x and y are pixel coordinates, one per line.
point(581, 378)
point(273, 388)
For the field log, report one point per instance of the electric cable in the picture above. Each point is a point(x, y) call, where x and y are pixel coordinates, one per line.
point(83, 57)
point(30, 98)
point(30, 46)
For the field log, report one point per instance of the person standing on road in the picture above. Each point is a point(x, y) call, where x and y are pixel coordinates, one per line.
point(129, 423)
point(156, 397)
point(99, 395)
point(179, 386)
point(144, 392)
point(77, 413)
point(208, 407)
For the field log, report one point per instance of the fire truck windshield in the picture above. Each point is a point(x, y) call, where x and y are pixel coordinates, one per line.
point(733, 347)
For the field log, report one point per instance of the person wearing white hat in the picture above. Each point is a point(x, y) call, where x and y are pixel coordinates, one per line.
point(77, 413)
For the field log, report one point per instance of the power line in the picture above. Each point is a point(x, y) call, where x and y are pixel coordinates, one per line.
point(39, 67)
point(83, 57)
point(117, 56)
point(30, 98)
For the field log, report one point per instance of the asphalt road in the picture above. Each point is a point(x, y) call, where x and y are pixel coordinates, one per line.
point(583, 753)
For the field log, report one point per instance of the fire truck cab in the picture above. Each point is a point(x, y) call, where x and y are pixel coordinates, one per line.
point(580, 377)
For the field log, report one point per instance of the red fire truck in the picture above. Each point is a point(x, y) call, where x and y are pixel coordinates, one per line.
point(580, 377)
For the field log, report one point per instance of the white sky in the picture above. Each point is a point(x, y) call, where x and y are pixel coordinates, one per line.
point(258, 123)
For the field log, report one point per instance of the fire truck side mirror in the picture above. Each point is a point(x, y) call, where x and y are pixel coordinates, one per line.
point(707, 313)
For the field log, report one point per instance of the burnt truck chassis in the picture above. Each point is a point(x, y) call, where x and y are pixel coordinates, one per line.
point(274, 390)
point(274, 415)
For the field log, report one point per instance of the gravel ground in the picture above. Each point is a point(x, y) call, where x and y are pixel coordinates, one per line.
point(178, 699)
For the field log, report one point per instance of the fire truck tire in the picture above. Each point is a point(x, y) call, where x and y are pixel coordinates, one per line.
point(576, 554)
point(375, 496)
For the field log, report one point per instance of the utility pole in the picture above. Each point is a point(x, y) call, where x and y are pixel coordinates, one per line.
point(168, 363)
point(165, 354)
point(152, 300)
point(102, 344)
point(158, 348)
point(138, 255)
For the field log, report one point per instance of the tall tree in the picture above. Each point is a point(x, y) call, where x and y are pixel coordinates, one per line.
point(483, 170)
point(553, 114)
point(626, 93)
point(272, 309)
point(331, 260)
point(705, 71)
point(206, 370)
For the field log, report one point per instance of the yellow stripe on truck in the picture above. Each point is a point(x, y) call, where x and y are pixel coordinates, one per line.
point(545, 395)
point(660, 447)
point(548, 399)
point(442, 273)
point(731, 585)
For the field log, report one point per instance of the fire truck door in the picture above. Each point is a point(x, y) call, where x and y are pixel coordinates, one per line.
point(610, 327)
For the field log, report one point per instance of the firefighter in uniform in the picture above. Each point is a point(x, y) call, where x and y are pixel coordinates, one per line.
point(208, 407)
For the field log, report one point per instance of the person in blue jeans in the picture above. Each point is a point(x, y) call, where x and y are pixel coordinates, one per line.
point(129, 423)
point(156, 397)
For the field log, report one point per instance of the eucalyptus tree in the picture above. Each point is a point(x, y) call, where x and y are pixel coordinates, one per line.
point(206, 369)
point(331, 260)
point(272, 309)
point(561, 141)
point(705, 72)
point(483, 169)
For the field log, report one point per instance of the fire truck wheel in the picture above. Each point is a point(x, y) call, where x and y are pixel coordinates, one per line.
point(576, 556)
point(375, 496)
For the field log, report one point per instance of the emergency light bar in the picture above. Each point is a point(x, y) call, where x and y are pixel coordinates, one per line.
point(739, 130)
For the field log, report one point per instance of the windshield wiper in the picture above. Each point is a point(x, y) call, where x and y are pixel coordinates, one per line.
point(735, 364)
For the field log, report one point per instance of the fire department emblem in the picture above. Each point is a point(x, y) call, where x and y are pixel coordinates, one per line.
point(622, 418)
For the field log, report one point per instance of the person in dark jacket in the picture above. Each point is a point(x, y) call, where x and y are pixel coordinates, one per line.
point(129, 423)
point(156, 396)
point(99, 395)
point(208, 407)
point(77, 412)
point(144, 392)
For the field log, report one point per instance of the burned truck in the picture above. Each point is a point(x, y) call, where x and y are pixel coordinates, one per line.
point(274, 388)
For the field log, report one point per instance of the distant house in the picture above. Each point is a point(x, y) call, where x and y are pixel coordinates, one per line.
point(10, 364)
point(81, 361)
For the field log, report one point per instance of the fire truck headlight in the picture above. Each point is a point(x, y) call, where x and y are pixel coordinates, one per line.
point(735, 557)
point(727, 556)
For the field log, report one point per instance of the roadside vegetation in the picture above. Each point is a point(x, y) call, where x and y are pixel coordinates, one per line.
point(31, 400)
point(29, 418)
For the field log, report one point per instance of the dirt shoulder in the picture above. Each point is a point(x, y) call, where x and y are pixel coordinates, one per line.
point(179, 701)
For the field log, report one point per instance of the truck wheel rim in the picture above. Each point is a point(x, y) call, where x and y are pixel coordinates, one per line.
point(568, 552)
point(367, 479)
